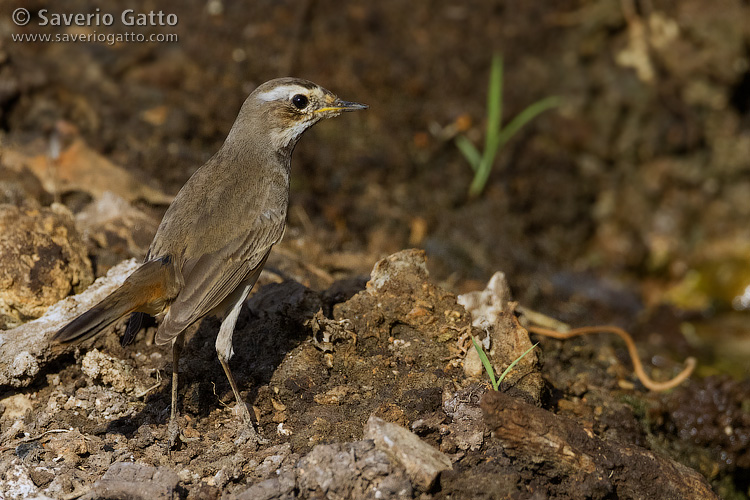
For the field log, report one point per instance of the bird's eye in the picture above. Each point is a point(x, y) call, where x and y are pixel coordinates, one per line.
point(300, 101)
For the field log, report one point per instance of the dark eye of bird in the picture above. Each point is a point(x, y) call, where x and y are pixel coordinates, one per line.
point(300, 101)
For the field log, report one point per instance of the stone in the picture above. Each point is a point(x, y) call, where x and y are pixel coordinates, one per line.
point(422, 462)
point(42, 260)
point(135, 481)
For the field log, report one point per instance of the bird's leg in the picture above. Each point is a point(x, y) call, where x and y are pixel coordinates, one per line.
point(225, 351)
point(174, 426)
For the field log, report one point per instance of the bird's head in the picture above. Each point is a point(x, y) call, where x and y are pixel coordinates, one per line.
point(284, 108)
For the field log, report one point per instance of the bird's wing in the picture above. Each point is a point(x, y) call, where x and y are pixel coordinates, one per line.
point(212, 277)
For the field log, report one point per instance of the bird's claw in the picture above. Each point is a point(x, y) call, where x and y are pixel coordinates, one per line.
point(173, 430)
point(248, 434)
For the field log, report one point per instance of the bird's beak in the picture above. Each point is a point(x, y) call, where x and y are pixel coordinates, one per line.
point(337, 106)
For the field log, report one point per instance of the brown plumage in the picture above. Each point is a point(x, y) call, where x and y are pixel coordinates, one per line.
point(216, 235)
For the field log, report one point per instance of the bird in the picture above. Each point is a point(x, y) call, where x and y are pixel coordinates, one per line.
point(217, 233)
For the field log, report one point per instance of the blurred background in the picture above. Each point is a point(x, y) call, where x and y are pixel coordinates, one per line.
point(626, 203)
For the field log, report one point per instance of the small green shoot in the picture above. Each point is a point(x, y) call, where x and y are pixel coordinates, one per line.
point(496, 136)
point(488, 366)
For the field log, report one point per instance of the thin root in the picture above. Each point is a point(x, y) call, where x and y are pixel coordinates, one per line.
point(637, 365)
point(222, 403)
point(149, 389)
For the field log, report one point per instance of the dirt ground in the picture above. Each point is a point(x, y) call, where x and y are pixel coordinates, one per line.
point(625, 205)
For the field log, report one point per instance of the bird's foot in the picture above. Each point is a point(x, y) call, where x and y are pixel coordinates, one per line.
point(173, 430)
point(248, 434)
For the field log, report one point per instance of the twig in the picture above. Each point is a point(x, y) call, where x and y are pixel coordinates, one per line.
point(542, 319)
point(222, 403)
point(149, 389)
point(40, 436)
point(637, 365)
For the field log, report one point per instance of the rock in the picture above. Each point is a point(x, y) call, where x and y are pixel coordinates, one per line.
point(135, 481)
point(350, 470)
point(486, 305)
point(27, 349)
point(342, 470)
point(80, 168)
point(335, 471)
point(405, 262)
point(21, 188)
point(69, 446)
point(400, 292)
point(16, 405)
point(42, 259)
point(473, 366)
point(18, 482)
point(40, 476)
point(421, 461)
point(277, 488)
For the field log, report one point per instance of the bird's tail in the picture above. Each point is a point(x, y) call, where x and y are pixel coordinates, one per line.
point(147, 286)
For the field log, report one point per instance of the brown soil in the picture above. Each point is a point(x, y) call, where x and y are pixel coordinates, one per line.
point(598, 212)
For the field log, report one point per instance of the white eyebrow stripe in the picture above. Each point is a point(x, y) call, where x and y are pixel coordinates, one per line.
point(284, 92)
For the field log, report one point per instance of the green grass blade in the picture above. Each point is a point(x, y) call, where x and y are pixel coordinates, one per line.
point(481, 175)
point(496, 136)
point(525, 117)
point(514, 363)
point(470, 152)
point(485, 362)
point(494, 121)
point(494, 102)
